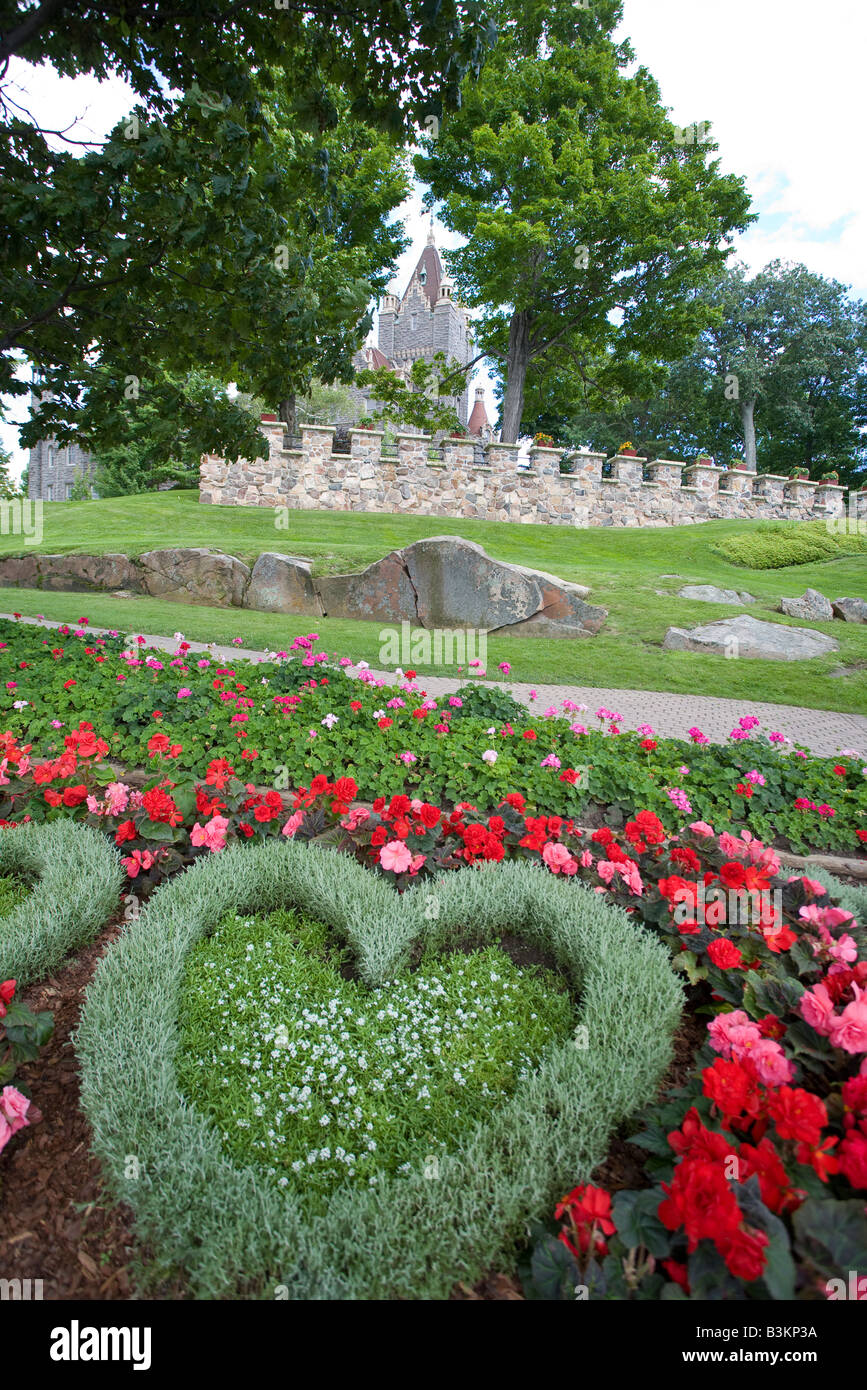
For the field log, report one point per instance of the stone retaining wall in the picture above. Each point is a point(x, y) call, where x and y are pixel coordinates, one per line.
point(450, 481)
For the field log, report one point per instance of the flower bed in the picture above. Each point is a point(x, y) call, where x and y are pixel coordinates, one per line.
point(231, 1227)
point(74, 876)
point(285, 722)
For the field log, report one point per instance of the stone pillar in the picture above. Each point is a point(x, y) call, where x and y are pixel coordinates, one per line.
point(274, 431)
point(769, 488)
point(502, 458)
point(412, 450)
point(587, 470)
point(828, 499)
point(704, 477)
point(545, 461)
point(627, 469)
point(737, 482)
point(365, 445)
point(801, 492)
point(458, 451)
point(316, 444)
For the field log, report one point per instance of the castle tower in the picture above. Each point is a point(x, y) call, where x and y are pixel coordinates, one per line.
point(426, 319)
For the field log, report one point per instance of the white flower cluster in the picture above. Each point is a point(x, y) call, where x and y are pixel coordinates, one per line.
point(333, 1081)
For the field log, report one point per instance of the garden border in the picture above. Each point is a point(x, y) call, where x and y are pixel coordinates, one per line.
point(232, 1230)
point(78, 882)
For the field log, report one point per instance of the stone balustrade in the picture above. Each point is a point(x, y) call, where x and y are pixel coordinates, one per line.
point(454, 479)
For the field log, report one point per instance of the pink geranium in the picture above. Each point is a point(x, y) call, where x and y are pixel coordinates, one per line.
point(212, 834)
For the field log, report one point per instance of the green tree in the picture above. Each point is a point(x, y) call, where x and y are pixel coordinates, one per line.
point(8, 486)
point(589, 217)
point(194, 234)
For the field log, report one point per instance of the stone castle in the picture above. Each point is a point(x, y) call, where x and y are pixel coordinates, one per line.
point(52, 469)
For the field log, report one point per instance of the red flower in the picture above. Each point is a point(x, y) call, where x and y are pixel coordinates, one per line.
point(588, 1210)
point(699, 1199)
point(797, 1114)
point(73, 796)
point(385, 722)
point(345, 789)
point(648, 744)
point(744, 1253)
point(218, 773)
point(677, 1273)
point(529, 733)
point(7, 990)
point(732, 875)
point(125, 831)
point(853, 1159)
point(429, 815)
point(725, 954)
point(733, 1091)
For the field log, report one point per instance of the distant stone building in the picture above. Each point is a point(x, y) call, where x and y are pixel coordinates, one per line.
point(423, 321)
point(53, 468)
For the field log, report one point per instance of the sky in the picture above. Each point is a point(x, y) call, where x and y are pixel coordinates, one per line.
point(780, 81)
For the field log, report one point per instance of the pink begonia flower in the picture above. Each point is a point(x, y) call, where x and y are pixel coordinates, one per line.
point(356, 817)
point(294, 823)
point(490, 756)
point(771, 1064)
point(13, 1113)
point(395, 856)
point(811, 885)
point(724, 1026)
point(701, 827)
point(586, 860)
point(844, 950)
point(117, 796)
point(92, 803)
point(849, 1029)
point(558, 859)
point(732, 847)
point(212, 834)
point(816, 1007)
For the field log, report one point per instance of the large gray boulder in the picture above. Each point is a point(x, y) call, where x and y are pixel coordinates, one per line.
point(88, 573)
point(851, 610)
point(811, 605)
point(381, 593)
point(195, 576)
point(19, 572)
point(281, 584)
point(709, 593)
point(745, 636)
point(449, 582)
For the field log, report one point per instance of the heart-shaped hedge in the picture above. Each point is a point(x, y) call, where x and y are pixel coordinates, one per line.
point(76, 878)
point(230, 1228)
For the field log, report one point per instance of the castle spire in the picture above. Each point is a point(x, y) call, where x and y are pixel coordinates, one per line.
point(430, 234)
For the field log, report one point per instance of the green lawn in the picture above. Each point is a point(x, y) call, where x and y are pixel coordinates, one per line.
point(624, 569)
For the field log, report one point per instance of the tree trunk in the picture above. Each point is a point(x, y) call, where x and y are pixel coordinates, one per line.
point(516, 374)
point(748, 425)
point(288, 414)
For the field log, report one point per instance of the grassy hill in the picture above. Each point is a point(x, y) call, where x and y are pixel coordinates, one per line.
point(626, 569)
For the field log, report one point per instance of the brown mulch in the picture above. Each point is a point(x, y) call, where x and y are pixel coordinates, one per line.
point(58, 1224)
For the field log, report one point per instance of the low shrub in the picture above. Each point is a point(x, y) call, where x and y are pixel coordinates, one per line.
point(229, 1226)
point(779, 544)
point(74, 877)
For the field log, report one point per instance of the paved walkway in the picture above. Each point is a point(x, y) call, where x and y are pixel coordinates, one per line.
point(822, 731)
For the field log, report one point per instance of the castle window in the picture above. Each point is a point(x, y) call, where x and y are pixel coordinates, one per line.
point(69, 492)
point(49, 492)
point(51, 456)
point(423, 277)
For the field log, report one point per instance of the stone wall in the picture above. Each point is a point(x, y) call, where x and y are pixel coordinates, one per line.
point(450, 481)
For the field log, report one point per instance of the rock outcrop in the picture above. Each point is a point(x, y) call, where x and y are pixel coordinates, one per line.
point(745, 636)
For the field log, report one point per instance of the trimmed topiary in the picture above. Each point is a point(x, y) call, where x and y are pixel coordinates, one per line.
point(231, 1229)
point(75, 878)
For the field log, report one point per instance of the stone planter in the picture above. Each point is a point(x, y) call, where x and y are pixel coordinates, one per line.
point(800, 491)
point(704, 477)
point(828, 497)
point(627, 469)
point(667, 473)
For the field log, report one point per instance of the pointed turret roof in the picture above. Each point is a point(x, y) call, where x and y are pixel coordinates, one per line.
point(429, 270)
point(479, 417)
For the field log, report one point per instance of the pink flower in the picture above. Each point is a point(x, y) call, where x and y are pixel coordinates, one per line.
point(756, 778)
point(395, 856)
point(293, 824)
point(490, 756)
point(504, 667)
point(184, 692)
point(701, 827)
point(551, 761)
point(558, 859)
point(212, 834)
point(577, 729)
point(727, 1029)
point(817, 1008)
point(697, 736)
point(777, 737)
point(772, 1066)
point(357, 816)
point(13, 1113)
point(732, 847)
point(606, 869)
point(408, 758)
point(117, 796)
point(849, 1029)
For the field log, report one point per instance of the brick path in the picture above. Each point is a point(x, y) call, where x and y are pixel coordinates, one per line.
point(822, 731)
